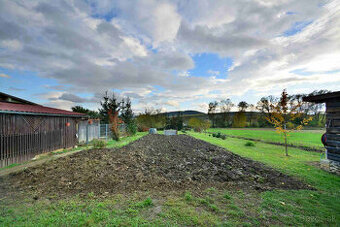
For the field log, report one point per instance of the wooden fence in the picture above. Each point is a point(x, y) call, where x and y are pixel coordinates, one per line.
point(24, 136)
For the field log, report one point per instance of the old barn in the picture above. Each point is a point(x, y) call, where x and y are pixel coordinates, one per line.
point(28, 129)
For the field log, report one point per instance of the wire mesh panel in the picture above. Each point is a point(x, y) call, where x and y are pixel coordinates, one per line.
point(105, 131)
point(88, 131)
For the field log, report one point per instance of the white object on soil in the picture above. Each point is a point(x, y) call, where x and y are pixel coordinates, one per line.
point(152, 131)
point(170, 132)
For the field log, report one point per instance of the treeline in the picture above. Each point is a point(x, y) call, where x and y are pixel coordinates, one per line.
point(249, 115)
point(220, 114)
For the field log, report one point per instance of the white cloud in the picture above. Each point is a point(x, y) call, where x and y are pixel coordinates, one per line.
point(154, 21)
point(12, 44)
point(172, 103)
point(213, 72)
point(138, 46)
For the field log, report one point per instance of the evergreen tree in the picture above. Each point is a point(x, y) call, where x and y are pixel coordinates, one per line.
point(110, 107)
point(90, 113)
point(128, 117)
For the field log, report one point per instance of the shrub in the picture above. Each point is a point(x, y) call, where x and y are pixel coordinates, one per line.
point(255, 124)
point(199, 124)
point(219, 135)
point(142, 204)
point(214, 135)
point(150, 119)
point(132, 128)
point(224, 137)
point(188, 196)
point(249, 144)
point(227, 196)
point(239, 120)
point(290, 125)
point(98, 144)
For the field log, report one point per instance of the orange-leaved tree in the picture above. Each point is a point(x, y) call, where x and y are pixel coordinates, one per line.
point(285, 111)
point(110, 107)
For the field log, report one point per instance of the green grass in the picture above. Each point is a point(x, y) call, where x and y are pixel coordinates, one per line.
point(213, 207)
point(295, 164)
point(109, 143)
point(321, 207)
point(10, 166)
point(305, 138)
point(75, 212)
point(125, 140)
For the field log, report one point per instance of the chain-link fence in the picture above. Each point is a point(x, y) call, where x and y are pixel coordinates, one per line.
point(88, 132)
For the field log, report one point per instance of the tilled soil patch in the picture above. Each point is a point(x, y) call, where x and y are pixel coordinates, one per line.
point(154, 162)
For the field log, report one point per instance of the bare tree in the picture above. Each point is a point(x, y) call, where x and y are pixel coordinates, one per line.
point(212, 112)
point(225, 107)
point(265, 105)
point(243, 106)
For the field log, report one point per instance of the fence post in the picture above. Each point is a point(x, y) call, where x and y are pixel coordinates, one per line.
point(106, 131)
point(99, 130)
point(87, 133)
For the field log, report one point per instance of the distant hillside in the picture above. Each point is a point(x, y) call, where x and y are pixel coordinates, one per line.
point(183, 113)
point(190, 113)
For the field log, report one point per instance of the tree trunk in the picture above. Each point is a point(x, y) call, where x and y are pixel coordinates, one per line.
point(115, 126)
point(113, 118)
point(286, 145)
point(285, 135)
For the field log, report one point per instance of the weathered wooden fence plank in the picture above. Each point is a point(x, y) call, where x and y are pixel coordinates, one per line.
point(22, 137)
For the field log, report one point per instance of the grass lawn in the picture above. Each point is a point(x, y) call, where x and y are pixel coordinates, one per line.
point(211, 208)
point(125, 140)
point(291, 207)
point(308, 138)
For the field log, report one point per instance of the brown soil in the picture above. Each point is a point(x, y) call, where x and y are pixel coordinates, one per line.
point(154, 162)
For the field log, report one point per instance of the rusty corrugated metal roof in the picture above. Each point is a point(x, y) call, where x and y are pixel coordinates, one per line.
point(36, 109)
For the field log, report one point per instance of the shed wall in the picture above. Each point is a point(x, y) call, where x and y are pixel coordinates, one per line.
point(24, 136)
point(333, 130)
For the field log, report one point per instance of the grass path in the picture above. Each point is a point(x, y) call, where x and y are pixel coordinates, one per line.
point(307, 138)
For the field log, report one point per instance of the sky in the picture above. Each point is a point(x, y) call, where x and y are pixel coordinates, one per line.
point(169, 55)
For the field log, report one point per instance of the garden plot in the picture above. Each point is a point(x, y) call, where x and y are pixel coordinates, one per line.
point(152, 163)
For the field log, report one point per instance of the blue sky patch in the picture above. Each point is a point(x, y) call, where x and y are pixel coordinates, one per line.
point(296, 28)
point(107, 16)
point(21, 81)
point(208, 64)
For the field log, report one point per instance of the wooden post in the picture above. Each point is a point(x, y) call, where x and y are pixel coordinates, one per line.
point(106, 126)
point(285, 135)
point(87, 133)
